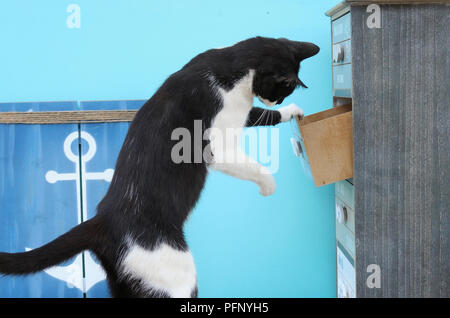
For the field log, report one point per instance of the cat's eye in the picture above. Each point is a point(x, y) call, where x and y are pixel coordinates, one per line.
point(288, 84)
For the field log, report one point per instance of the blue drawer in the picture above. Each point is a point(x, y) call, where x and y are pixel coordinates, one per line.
point(342, 80)
point(344, 190)
point(342, 53)
point(341, 28)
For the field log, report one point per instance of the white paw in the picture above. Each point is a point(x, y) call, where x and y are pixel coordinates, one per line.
point(287, 112)
point(267, 185)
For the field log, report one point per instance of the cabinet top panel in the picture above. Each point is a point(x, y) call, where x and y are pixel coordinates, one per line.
point(366, 2)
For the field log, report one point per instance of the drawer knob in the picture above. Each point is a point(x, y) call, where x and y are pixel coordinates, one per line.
point(341, 54)
point(338, 53)
point(341, 213)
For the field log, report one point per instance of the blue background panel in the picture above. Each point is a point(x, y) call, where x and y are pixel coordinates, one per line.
point(33, 211)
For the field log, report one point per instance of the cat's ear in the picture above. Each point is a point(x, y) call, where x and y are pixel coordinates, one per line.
point(301, 50)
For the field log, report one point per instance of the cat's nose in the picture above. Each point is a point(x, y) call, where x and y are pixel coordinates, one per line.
point(314, 49)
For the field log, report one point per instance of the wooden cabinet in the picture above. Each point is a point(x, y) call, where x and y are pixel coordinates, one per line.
point(399, 85)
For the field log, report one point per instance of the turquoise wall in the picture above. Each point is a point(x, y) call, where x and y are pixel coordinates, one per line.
point(244, 245)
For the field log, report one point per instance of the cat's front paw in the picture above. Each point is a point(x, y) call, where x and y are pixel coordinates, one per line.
point(267, 185)
point(289, 111)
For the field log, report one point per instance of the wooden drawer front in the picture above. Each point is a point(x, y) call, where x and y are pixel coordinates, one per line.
point(342, 53)
point(341, 29)
point(346, 238)
point(346, 278)
point(345, 224)
point(349, 222)
point(342, 80)
point(344, 190)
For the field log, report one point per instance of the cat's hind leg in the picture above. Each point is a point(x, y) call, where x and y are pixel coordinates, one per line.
point(163, 271)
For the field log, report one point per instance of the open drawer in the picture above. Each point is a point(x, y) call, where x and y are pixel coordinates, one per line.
point(327, 137)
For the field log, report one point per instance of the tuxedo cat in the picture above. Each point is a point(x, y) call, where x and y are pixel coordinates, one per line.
point(137, 234)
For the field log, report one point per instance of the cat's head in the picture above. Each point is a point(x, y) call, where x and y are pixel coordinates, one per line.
point(276, 74)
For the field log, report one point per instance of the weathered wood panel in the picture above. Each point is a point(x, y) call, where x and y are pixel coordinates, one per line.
point(401, 85)
point(367, 2)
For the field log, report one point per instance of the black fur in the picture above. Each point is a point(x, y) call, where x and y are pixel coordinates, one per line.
point(261, 116)
point(150, 196)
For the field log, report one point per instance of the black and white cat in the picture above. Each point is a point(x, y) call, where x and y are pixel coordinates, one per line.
point(137, 233)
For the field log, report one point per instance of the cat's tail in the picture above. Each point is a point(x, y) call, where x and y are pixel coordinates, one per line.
point(78, 239)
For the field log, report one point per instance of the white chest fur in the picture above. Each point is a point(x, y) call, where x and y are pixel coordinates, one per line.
point(231, 119)
point(237, 103)
point(229, 158)
point(164, 269)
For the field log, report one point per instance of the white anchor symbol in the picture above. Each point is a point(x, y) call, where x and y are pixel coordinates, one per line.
point(73, 273)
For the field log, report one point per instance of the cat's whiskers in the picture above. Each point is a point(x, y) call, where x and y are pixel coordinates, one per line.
point(260, 118)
